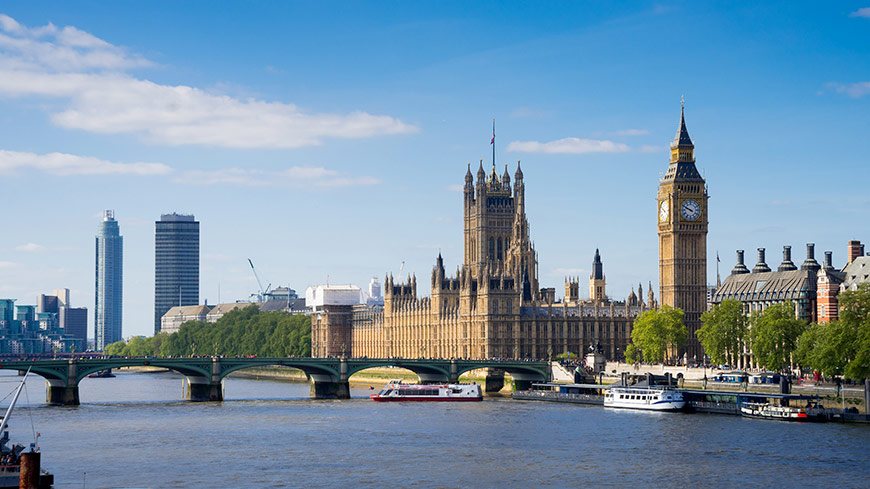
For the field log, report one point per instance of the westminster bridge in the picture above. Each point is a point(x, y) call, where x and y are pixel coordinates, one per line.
point(328, 376)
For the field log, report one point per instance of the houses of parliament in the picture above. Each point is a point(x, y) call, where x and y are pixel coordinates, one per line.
point(492, 305)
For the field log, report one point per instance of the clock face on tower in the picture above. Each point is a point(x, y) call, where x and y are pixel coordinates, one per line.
point(690, 210)
point(663, 211)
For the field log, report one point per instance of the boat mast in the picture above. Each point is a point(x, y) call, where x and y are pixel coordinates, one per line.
point(12, 404)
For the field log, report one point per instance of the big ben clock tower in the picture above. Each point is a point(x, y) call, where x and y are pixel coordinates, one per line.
point(682, 218)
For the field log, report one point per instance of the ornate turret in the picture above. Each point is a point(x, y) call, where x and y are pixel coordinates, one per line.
point(506, 180)
point(597, 284)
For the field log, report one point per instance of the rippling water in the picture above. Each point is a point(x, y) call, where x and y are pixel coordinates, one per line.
point(135, 431)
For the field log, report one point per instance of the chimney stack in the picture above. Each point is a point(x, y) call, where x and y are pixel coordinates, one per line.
point(810, 263)
point(829, 261)
point(856, 249)
point(740, 267)
point(787, 265)
point(760, 266)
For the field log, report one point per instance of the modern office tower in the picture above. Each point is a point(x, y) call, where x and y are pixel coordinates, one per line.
point(109, 282)
point(176, 264)
point(75, 324)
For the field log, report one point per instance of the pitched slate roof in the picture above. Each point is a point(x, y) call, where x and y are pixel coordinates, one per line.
point(767, 286)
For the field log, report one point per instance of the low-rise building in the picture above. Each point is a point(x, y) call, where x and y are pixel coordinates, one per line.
point(178, 315)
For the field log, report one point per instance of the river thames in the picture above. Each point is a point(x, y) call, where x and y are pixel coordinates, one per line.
point(135, 431)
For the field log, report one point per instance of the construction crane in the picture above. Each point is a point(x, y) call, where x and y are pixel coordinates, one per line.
point(262, 293)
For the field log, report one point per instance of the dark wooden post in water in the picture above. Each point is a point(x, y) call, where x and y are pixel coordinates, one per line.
point(29, 475)
point(867, 396)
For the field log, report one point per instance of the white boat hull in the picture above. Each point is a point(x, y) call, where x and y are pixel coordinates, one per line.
point(644, 398)
point(658, 406)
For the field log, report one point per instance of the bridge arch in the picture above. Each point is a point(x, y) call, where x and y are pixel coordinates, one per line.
point(425, 372)
point(306, 367)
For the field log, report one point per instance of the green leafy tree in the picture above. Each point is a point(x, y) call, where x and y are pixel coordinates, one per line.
point(567, 355)
point(241, 332)
point(115, 348)
point(658, 334)
point(774, 335)
point(724, 332)
point(855, 315)
point(632, 355)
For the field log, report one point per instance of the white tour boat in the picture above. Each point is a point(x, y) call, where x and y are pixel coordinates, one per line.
point(766, 410)
point(654, 398)
point(395, 390)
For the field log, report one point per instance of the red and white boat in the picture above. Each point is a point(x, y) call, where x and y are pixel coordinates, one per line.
point(395, 390)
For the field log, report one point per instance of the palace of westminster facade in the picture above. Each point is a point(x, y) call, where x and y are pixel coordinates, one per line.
point(493, 306)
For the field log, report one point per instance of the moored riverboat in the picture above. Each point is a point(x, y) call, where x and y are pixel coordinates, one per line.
point(395, 390)
point(11, 456)
point(102, 374)
point(766, 410)
point(649, 398)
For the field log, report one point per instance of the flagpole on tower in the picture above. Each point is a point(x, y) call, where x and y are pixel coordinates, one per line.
point(493, 142)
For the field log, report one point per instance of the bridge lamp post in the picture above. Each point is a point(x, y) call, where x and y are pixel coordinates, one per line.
point(192, 349)
point(422, 352)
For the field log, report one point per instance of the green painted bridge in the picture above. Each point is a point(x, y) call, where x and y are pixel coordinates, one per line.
point(328, 376)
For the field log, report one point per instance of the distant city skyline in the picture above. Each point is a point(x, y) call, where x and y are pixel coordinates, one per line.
point(332, 142)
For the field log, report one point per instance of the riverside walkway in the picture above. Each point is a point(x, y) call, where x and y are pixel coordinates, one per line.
point(328, 376)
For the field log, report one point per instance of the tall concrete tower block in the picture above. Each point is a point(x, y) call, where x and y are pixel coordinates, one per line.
point(682, 230)
point(176, 264)
point(108, 296)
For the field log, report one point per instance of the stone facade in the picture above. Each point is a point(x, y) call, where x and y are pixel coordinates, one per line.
point(682, 229)
point(492, 306)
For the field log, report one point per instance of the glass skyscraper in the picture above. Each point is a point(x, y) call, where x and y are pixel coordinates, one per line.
point(109, 282)
point(176, 264)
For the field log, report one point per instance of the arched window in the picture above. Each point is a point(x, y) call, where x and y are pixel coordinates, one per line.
point(491, 247)
point(495, 307)
point(499, 249)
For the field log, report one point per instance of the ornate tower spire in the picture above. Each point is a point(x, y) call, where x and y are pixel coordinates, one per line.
point(682, 164)
point(597, 283)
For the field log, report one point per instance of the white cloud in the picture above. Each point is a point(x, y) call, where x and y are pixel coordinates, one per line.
point(8, 264)
point(67, 164)
point(88, 73)
point(30, 247)
point(456, 187)
point(296, 176)
point(861, 12)
point(853, 90)
point(569, 146)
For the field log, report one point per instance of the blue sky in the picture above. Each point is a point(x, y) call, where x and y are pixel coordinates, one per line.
point(329, 139)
